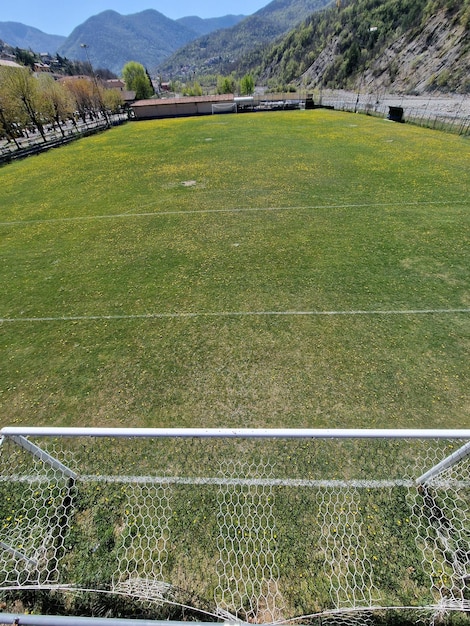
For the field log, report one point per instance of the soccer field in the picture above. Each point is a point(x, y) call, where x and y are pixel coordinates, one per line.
point(297, 269)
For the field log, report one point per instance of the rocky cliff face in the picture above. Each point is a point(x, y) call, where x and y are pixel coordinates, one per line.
point(435, 58)
point(438, 58)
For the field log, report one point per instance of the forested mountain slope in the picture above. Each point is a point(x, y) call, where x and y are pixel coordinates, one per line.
point(208, 25)
point(399, 45)
point(218, 52)
point(26, 37)
point(147, 37)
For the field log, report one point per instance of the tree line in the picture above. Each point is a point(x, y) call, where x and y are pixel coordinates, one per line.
point(32, 103)
point(215, 84)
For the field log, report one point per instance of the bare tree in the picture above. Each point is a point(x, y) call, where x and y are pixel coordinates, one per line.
point(23, 87)
point(81, 90)
point(112, 100)
point(12, 116)
point(58, 101)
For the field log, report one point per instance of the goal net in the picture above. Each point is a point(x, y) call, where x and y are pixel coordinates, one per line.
point(224, 107)
point(252, 526)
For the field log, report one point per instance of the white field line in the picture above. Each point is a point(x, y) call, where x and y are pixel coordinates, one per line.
point(151, 316)
point(128, 214)
point(410, 483)
point(233, 482)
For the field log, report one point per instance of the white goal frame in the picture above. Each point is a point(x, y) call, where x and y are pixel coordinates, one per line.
point(224, 107)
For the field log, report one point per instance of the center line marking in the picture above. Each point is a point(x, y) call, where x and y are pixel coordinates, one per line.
point(149, 316)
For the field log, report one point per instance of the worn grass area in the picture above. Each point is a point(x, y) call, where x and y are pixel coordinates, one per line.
point(290, 212)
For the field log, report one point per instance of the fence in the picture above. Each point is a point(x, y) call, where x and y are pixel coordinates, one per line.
point(31, 144)
point(424, 113)
point(428, 112)
point(259, 526)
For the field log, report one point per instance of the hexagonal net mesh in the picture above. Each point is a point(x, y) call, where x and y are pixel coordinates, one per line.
point(259, 530)
point(247, 543)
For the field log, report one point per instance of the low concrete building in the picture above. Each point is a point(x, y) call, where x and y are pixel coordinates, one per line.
point(156, 108)
point(115, 83)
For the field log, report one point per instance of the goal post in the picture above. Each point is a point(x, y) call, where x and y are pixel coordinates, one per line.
point(224, 107)
point(241, 525)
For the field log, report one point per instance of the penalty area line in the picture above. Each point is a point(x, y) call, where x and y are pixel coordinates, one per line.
point(151, 316)
point(234, 210)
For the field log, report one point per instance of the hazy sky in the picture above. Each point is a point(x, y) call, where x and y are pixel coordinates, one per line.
point(60, 18)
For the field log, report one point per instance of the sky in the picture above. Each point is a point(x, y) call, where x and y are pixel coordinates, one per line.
point(60, 18)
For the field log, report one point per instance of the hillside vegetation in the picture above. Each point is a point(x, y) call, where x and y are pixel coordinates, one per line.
point(404, 45)
point(205, 26)
point(220, 51)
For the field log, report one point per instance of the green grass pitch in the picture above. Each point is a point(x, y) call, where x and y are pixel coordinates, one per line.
point(294, 269)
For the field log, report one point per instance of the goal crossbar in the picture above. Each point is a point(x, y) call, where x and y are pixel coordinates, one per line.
point(238, 433)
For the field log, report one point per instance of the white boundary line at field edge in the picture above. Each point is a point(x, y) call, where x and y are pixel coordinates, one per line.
point(150, 316)
point(128, 214)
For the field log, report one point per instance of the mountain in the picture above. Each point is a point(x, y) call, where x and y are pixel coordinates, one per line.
point(205, 26)
point(407, 46)
point(113, 39)
point(218, 52)
point(29, 38)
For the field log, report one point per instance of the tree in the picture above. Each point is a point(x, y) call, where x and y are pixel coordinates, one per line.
point(137, 79)
point(112, 100)
point(225, 84)
point(103, 73)
point(24, 57)
point(81, 90)
point(247, 85)
point(12, 116)
point(58, 101)
point(192, 89)
point(22, 86)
